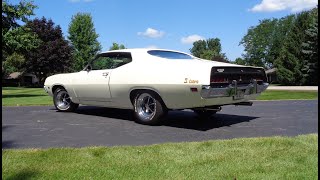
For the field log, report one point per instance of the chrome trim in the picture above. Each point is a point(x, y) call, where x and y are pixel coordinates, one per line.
point(63, 100)
point(146, 107)
point(233, 90)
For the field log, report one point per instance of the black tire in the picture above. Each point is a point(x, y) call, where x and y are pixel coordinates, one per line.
point(204, 113)
point(62, 101)
point(148, 108)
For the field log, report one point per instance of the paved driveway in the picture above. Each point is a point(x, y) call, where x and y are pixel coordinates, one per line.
point(43, 126)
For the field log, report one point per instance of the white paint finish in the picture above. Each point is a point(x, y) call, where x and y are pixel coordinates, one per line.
point(165, 76)
point(92, 85)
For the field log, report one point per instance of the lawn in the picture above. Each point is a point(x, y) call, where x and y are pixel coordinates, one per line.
point(282, 94)
point(246, 158)
point(16, 96)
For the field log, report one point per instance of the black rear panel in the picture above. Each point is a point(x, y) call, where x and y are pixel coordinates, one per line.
point(243, 75)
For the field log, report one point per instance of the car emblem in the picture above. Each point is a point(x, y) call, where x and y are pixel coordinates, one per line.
point(220, 70)
point(241, 70)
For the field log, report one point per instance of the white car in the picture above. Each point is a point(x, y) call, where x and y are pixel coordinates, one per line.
point(153, 81)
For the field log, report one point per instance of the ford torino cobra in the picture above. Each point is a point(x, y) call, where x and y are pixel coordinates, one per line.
point(153, 81)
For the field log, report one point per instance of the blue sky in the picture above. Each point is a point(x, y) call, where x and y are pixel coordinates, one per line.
point(173, 24)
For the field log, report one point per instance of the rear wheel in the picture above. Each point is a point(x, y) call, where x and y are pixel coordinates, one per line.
point(62, 101)
point(148, 108)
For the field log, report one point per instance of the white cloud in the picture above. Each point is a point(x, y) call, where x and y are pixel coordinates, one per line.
point(151, 33)
point(279, 5)
point(190, 39)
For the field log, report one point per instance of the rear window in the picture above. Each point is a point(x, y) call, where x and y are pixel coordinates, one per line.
point(169, 54)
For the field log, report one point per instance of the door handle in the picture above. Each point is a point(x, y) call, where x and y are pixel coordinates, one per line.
point(105, 74)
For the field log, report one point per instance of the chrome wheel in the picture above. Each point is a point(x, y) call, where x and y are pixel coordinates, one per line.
point(146, 107)
point(63, 100)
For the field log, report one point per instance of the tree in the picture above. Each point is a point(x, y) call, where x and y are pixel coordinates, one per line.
point(16, 39)
point(14, 63)
point(281, 31)
point(220, 58)
point(84, 40)
point(54, 53)
point(310, 50)
point(198, 48)
point(19, 40)
point(258, 43)
point(116, 46)
point(288, 44)
point(290, 62)
point(208, 49)
point(240, 61)
point(13, 13)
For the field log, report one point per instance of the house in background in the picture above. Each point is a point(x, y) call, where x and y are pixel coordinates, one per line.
point(272, 75)
point(20, 79)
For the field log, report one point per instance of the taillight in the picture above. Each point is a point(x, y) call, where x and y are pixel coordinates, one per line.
point(218, 80)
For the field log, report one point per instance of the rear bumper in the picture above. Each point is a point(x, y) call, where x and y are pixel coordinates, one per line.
point(237, 92)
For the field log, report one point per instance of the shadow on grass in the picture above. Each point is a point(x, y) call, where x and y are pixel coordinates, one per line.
point(178, 119)
point(20, 95)
point(24, 174)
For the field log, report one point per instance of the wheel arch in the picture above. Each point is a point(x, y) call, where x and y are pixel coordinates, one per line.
point(56, 86)
point(134, 91)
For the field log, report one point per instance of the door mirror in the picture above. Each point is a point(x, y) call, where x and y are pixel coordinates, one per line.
point(89, 68)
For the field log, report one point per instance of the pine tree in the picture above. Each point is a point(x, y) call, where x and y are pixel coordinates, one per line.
point(290, 62)
point(310, 49)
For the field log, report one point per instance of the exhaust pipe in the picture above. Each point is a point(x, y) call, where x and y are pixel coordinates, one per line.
point(244, 103)
point(213, 109)
point(216, 109)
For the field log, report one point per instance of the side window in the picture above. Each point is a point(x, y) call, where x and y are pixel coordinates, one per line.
point(111, 60)
point(101, 63)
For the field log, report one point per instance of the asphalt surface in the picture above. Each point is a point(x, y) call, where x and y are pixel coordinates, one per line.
point(43, 126)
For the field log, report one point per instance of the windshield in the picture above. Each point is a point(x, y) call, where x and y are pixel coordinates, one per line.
point(169, 54)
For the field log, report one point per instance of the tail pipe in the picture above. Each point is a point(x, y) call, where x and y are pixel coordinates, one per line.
point(213, 109)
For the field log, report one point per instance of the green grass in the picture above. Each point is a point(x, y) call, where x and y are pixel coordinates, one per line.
point(17, 96)
point(246, 158)
point(283, 94)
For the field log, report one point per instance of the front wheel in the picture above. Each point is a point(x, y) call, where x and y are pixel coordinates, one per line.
point(62, 101)
point(148, 108)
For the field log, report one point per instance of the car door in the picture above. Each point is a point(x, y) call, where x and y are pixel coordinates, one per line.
point(92, 84)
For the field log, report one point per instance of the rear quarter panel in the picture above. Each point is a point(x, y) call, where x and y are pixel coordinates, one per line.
point(171, 79)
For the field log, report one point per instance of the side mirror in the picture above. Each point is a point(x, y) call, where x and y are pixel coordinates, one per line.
point(89, 68)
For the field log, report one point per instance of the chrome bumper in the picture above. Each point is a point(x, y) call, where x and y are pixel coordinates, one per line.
point(234, 90)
